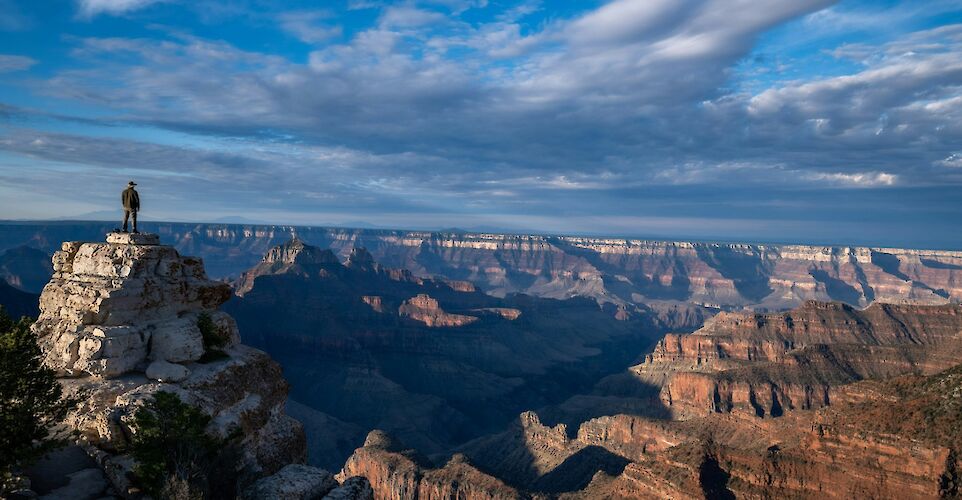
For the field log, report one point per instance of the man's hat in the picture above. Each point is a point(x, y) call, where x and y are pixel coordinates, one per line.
point(131, 183)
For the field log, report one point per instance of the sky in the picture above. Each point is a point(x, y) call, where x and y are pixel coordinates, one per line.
point(807, 121)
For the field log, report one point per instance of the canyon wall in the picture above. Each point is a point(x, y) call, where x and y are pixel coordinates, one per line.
point(621, 271)
point(824, 401)
point(769, 364)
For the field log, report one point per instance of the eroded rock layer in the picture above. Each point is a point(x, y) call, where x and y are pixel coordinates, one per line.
point(769, 364)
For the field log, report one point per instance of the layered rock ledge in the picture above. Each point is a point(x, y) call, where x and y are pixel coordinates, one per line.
point(123, 320)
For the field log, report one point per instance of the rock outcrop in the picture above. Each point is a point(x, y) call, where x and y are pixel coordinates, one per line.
point(737, 412)
point(837, 454)
point(426, 310)
point(122, 320)
point(398, 474)
point(294, 482)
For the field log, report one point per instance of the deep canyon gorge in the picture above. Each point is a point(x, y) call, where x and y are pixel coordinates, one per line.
point(459, 365)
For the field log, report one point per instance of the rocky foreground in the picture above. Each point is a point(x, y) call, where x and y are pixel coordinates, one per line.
point(121, 321)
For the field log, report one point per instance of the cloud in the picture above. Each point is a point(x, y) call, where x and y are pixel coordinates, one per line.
point(308, 27)
point(10, 63)
point(409, 17)
point(862, 180)
point(633, 89)
point(954, 160)
point(905, 103)
point(92, 8)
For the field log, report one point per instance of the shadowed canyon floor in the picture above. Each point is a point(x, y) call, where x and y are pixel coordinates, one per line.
point(434, 362)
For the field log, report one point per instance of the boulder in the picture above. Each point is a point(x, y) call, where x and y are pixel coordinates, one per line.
point(111, 306)
point(86, 484)
point(353, 488)
point(293, 482)
point(177, 341)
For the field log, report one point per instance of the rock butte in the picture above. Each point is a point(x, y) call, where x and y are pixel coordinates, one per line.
point(426, 310)
point(119, 322)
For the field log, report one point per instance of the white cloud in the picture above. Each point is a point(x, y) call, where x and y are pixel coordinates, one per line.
point(954, 160)
point(409, 17)
point(310, 26)
point(860, 180)
point(10, 63)
point(92, 8)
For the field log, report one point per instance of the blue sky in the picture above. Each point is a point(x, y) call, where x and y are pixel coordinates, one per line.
point(781, 120)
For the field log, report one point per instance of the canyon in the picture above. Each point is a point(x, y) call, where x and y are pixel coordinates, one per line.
point(435, 362)
point(731, 416)
point(455, 365)
point(751, 404)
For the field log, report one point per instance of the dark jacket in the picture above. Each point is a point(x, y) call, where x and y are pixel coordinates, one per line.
point(131, 199)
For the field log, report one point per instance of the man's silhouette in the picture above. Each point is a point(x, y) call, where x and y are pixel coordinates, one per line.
point(131, 201)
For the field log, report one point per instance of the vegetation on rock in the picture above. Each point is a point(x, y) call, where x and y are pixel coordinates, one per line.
point(176, 457)
point(213, 340)
point(31, 399)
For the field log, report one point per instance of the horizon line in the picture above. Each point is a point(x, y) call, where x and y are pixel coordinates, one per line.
point(546, 235)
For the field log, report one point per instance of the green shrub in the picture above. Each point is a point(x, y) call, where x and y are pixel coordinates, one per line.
point(208, 330)
point(176, 457)
point(31, 399)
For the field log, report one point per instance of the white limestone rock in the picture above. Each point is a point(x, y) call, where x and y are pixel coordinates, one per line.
point(110, 306)
point(109, 351)
point(163, 371)
point(177, 341)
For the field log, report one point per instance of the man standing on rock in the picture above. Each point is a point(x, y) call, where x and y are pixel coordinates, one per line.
point(131, 201)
